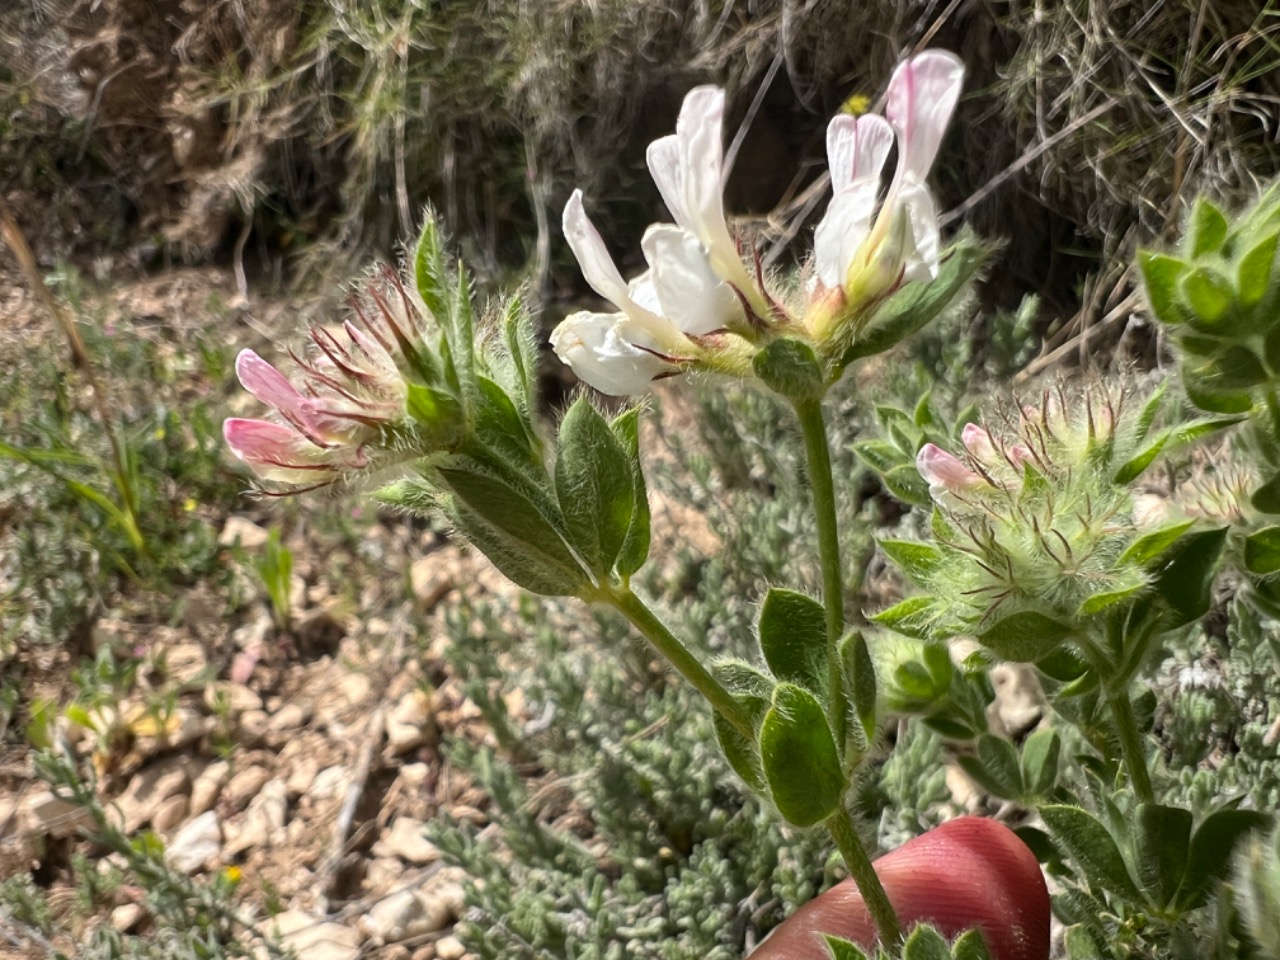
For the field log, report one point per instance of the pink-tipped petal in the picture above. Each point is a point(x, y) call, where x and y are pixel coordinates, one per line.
point(268, 384)
point(857, 148)
point(922, 96)
point(944, 472)
point(593, 257)
point(277, 453)
point(978, 442)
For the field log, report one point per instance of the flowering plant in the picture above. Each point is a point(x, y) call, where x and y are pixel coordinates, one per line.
point(1038, 551)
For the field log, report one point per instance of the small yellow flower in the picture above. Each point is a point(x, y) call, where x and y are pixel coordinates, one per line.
point(189, 504)
point(158, 433)
point(233, 874)
point(856, 105)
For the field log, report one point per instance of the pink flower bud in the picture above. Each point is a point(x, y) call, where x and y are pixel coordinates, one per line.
point(945, 472)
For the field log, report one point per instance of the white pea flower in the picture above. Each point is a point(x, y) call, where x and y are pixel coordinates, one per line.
point(866, 246)
point(659, 313)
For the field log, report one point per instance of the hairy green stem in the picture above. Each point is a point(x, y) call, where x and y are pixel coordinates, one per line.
point(864, 875)
point(818, 454)
point(679, 656)
point(1135, 758)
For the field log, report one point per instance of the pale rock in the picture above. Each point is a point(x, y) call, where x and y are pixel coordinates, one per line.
point(414, 775)
point(263, 823)
point(46, 815)
point(406, 840)
point(383, 873)
point(964, 792)
point(311, 938)
point(427, 952)
point(149, 788)
point(406, 724)
point(108, 633)
point(179, 729)
point(246, 532)
point(195, 843)
point(288, 718)
point(185, 662)
point(207, 785)
point(397, 952)
point(234, 698)
point(127, 916)
point(402, 915)
point(450, 948)
point(252, 634)
point(169, 814)
point(329, 783)
point(431, 581)
point(354, 688)
point(1019, 702)
point(245, 785)
point(302, 775)
point(446, 889)
point(252, 727)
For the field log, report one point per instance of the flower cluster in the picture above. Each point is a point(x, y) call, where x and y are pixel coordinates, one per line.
point(352, 411)
point(697, 306)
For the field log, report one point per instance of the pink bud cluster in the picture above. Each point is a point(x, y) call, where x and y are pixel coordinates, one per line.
point(350, 400)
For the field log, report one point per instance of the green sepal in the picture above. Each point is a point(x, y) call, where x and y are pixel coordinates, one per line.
point(1040, 756)
point(1254, 271)
point(1162, 842)
point(841, 949)
point(1137, 465)
point(925, 943)
point(1266, 499)
point(438, 417)
point(594, 486)
point(522, 349)
point(512, 530)
point(1208, 294)
point(791, 368)
point(799, 757)
point(430, 273)
point(1206, 229)
point(635, 548)
point(1151, 545)
point(752, 689)
point(1089, 843)
point(970, 945)
point(501, 436)
point(913, 617)
point(1185, 581)
point(1262, 551)
point(793, 638)
point(995, 768)
point(1100, 602)
point(919, 684)
point(1211, 848)
point(919, 561)
point(859, 673)
point(916, 304)
point(1162, 276)
point(1024, 637)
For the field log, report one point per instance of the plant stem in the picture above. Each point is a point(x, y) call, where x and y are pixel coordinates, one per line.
point(679, 656)
point(864, 876)
point(1135, 758)
point(818, 454)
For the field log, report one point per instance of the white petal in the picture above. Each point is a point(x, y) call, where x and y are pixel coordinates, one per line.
point(593, 257)
point(922, 96)
point(590, 343)
point(857, 147)
point(922, 264)
point(643, 293)
point(667, 171)
point(699, 130)
point(842, 230)
point(691, 294)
